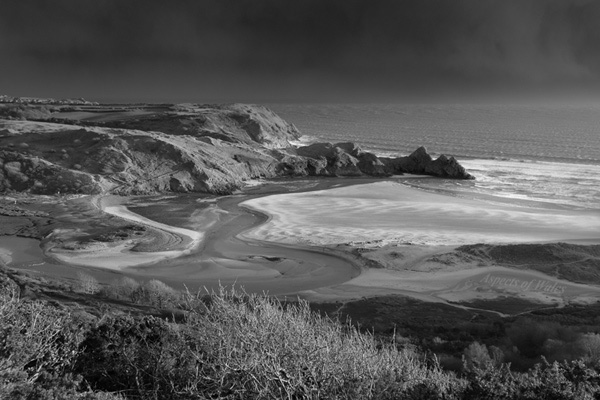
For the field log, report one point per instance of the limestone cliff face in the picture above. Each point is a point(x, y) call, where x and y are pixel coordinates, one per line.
point(143, 149)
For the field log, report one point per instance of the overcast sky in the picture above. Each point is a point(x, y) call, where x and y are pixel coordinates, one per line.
point(297, 50)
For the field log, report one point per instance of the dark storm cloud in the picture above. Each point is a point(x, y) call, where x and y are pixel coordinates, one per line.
point(302, 46)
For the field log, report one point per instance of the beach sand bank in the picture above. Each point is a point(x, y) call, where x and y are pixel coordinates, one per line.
point(193, 242)
point(121, 255)
point(333, 240)
point(392, 212)
point(410, 235)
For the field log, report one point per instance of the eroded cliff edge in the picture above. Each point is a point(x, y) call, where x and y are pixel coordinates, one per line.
point(141, 149)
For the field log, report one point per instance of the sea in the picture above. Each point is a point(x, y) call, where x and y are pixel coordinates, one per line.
point(545, 153)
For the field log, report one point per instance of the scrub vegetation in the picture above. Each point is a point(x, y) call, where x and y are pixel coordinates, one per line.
point(232, 345)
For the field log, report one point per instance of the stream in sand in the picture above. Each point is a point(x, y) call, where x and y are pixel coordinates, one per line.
point(226, 257)
point(215, 255)
point(286, 243)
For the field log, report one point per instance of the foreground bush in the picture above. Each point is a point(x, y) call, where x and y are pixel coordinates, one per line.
point(237, 346)
point(153, 293)
point(250, 347)
point(553, 381)
point(38, 346)
point(141, 357)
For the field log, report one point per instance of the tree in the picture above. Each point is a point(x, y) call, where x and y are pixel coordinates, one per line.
point(87, 283)
point(477, 355)
point(590, 346)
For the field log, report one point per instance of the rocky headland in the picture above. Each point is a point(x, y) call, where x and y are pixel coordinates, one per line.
point(85, 148)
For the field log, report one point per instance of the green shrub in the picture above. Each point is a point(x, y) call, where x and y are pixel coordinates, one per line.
point(126, 287)
point(87, 284)
point(156, 293)
point(142, 357)
point(253, 348)
point(250, 347)
point(559, 381)
point(37, 346)
point(121, 289)
point(548, 381)
point(239, 346)
point(589, 347)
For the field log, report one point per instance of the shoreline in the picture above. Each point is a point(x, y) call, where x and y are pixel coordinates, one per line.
point(216, 255)
point(289, 221)
point(226, 258)
point(118, 256)
point(394, 212)
point(227, 253)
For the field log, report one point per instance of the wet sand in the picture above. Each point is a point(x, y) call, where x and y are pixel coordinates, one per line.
point(207, 251)
point(392, 212)
point(122, 255)
point(418, 228)
point(287, 243)
point(224, 258)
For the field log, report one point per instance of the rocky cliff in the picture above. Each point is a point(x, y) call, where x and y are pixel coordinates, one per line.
point(139, 149)
point(420, 162)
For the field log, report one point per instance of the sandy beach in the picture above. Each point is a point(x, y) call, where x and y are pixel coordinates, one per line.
point(122, 255)
point(207, 252)
point(392, 212)
point(335, 240)
point(412, 233)
point(226, 258)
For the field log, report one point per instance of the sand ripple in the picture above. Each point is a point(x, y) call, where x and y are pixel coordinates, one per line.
point(394, 212)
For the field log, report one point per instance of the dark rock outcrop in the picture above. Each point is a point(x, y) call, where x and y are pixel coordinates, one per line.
point(293, 165)
point(334, 159)
point(447, 167)
point(342, 159)
point(348, 159)
point(420, 162)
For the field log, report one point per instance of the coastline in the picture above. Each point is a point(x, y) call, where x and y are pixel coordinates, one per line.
point(389, 211)
point(222, 247)
point(323, 234)
point(431, 269)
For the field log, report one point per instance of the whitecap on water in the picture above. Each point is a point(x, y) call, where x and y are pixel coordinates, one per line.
point(558, 183)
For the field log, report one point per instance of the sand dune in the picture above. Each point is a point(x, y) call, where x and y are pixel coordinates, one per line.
point(461, 286)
